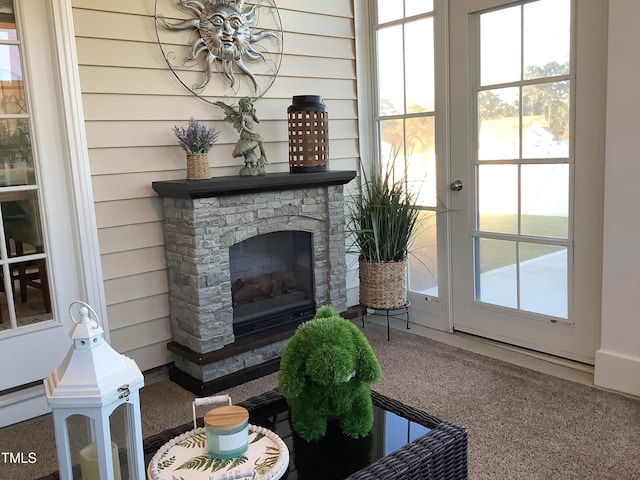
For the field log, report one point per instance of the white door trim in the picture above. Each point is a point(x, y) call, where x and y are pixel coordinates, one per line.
point(73, 119)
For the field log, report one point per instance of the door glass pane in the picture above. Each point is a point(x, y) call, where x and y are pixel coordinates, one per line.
point(31, 295)
point(498, 198)
point(500, 41)
point(421, 159)
point(392, 159)
point(391, 138)
point(12, 97)
point(545, 121)
point(545, 200)
point(423, 260)
point(21, 218)
point(16, 158)
point(543, 279)
point(547, 38)
point(25, 274)
point(25, 298)
point(499, 124)
point(419, 66)
point(415, 7)
point(495, 272)
point(389, 10)
point(8, 25)
point(390, 71)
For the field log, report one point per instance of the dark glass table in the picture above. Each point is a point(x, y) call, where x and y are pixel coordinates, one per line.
point(404, 443)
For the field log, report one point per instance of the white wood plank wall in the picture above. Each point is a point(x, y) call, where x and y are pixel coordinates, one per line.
point(131, 101)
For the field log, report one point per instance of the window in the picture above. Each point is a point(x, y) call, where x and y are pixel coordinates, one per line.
point(23, 264)
point(523, 164)
point(405, 118)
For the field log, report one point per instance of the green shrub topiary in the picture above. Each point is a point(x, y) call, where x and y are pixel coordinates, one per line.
point(326, 371)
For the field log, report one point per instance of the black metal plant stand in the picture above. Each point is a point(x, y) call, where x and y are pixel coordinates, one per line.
point(389, 313)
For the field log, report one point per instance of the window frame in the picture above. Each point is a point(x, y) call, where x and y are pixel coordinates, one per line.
point(433, 312)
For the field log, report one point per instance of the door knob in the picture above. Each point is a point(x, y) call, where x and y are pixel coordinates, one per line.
point(456, 185)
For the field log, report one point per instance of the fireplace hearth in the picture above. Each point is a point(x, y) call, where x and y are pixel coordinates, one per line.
point(249, 259)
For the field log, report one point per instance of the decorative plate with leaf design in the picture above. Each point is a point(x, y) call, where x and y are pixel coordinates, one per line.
point(185, 458)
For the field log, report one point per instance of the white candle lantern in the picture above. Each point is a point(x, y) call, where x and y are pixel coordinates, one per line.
point(92, 383)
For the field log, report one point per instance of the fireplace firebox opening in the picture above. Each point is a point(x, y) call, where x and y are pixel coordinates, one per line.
point(271, 281)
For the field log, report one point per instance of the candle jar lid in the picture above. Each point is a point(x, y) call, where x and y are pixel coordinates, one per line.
point(226, 417)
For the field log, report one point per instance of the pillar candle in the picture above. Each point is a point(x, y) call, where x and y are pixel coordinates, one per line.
point(89, 467)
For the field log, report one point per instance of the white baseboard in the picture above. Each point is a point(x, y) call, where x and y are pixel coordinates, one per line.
point(352, 296)
point(32, 402)
point(567, 369)
point(23, 405)
point(617, 371)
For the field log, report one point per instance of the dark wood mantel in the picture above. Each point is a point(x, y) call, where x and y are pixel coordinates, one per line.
point(236, 185)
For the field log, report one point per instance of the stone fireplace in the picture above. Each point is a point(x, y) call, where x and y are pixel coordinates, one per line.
point(249, 259)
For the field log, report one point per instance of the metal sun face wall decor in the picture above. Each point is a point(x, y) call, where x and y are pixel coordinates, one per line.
point(227, 48)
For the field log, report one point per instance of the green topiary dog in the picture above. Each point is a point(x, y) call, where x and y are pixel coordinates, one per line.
point(325, 371)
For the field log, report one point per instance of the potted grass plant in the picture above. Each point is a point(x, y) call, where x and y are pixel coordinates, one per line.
point(383, 220)
point(196, 140)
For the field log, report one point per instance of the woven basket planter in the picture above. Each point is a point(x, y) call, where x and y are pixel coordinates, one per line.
point(383, 285)
point(198, 166)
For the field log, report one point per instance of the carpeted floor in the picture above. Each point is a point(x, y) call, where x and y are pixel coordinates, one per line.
point(523, 425)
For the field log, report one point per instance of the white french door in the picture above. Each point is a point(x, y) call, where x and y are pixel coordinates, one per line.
point(526, 150)
point(47, 231)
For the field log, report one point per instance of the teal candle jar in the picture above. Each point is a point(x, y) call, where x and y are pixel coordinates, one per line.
point(227, 430)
